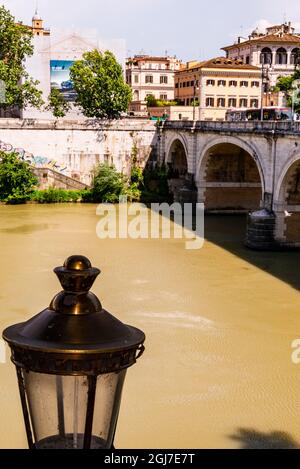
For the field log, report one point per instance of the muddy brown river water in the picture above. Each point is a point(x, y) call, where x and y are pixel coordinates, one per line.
point(217, 371)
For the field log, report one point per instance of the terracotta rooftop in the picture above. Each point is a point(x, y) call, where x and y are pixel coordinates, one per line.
point(268, 38)
point(148, 58)
point(221, 62)
point(193, 66)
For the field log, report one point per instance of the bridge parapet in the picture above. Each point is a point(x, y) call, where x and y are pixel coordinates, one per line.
point(235, 127)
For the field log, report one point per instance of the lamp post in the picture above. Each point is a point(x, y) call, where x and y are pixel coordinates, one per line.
point(264, 86)
point(196, 88)
point(262, 93)
point(71, 360)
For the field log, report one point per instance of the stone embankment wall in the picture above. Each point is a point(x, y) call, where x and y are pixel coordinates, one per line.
point(73, 148)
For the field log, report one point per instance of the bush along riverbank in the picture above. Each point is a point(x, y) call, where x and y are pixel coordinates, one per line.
point(18, 185)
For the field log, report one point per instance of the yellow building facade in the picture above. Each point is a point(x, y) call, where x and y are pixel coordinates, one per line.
point(218, 85)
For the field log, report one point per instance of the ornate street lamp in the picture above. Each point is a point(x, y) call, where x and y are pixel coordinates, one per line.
point(71, 361)
point(264, 87)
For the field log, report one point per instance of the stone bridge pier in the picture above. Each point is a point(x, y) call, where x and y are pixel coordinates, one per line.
point(239, 167)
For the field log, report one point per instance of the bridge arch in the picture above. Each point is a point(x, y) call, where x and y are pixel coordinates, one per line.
point(170, 146)
point(178, 166)
point(287, 201)
point(230, 175)
point(177, 159)
point(279, 193)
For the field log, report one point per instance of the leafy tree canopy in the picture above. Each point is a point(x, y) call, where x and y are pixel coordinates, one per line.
point(16, 179)
point(57, 103)
point(284, 83)
point(290, 85)
point(15, 46)
point(108, 184)
point(151, 100)
point(99, 83)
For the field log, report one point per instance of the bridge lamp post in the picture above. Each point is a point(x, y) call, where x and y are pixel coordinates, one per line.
point(264, 84)
point(196, 88)
point(71, 360)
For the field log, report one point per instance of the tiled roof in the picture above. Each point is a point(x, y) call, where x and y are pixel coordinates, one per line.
point(223, 62)
point(148, 58)
point(195, 66)
point(279, 38)
point(220, 62)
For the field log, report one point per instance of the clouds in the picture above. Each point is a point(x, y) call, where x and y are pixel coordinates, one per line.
point(261, 25)
point(193, 30)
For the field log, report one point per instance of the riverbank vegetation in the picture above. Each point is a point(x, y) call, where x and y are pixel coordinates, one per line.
point(53, 195)
point(16, 179)
point(18, 184)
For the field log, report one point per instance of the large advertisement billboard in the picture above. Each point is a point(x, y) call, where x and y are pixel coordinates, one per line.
point(60, 78)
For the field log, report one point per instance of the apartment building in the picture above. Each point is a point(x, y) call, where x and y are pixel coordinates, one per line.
point(218, 85)
point(148, 75)
point(276, 49)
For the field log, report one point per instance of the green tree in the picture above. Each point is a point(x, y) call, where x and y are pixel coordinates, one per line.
point(287, 85)
point(151, 101)
point(136, 181)
point(99, 83)
point(108, 184)
point(15, 46)
point(284, 83)
point(57, 104)
point(16, 179)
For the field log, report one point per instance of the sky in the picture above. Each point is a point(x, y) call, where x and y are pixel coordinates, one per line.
point(191, 30)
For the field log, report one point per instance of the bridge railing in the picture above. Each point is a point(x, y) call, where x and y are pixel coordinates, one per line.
point(254, 126)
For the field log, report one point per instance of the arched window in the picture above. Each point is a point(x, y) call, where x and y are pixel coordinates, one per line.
point(136, 95)
point(266, 56)
point(295, 56)
point(281, 56)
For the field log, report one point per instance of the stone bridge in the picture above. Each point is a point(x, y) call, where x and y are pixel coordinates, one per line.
point(239, 166)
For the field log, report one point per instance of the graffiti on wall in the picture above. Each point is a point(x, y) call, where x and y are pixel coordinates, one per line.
point(36, 161)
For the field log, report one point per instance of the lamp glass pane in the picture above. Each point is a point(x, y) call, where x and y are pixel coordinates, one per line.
point(58, 408)
point(107, 406)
